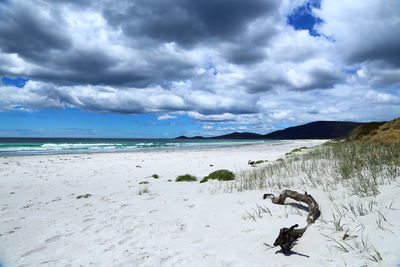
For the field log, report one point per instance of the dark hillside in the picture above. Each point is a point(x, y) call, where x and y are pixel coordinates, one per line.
point(315, 130)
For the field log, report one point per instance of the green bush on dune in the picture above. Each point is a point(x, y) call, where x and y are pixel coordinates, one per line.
point(221, 175)
point(185, 178)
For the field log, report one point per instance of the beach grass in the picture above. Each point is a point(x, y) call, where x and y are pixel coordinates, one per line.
point(361, 168)
point(350, 175)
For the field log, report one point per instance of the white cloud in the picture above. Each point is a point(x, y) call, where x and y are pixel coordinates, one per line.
point(166, 117)
point(378, 97)
point(262, 73)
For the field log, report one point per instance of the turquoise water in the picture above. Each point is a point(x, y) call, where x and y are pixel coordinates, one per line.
point(30, 146)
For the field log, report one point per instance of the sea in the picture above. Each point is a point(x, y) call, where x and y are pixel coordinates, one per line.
point(38, 146)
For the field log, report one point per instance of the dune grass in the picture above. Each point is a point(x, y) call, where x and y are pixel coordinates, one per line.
point(351, 174)
point(377, 132)
point(361, 168)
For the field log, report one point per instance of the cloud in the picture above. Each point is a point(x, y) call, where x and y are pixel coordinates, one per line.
point(363, 31)
point(166, 117)
point(31, 32)
point(218, 61)
point(188, 23)
point(378, 97)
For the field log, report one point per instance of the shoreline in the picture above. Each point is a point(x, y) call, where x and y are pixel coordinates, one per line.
point(156, 149)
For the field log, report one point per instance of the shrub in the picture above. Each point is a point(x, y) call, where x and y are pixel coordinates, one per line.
point(221, 175)
point(155, 176)
point(83, 196)
point(205, 179)
point(185, 178)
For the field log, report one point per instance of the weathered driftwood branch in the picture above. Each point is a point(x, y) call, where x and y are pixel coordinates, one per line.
point(288, 236)
point(313, 206)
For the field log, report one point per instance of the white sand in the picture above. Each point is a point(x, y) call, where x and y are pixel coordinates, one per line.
point(174, 224)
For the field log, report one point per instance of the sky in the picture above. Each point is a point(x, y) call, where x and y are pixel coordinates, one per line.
point(150, 68)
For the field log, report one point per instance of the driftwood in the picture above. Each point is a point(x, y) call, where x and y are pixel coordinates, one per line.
point(288, 236)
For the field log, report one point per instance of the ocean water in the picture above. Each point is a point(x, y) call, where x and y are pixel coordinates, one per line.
point(32, 146)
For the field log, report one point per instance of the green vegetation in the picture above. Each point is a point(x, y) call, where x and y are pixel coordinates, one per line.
point(205, 179)
point(83, 196)
point(377, 132)
point(143, 182)
point(221, 175)
point(360, 168)
point(296, 150)
point(364, 130)
point(155, 176)
point(260, 161)
point(185, 178)
point(350, 174)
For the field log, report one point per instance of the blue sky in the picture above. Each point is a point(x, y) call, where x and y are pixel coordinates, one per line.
point(96, 73)
point(71, 122)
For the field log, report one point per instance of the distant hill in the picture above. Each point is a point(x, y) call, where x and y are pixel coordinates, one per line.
point(316, 130)
point(312, 130)
point(182, 137)
point(380, 132)
point(185, 137)
point(237, 135)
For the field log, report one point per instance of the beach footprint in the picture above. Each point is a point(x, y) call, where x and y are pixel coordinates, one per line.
point(53, 239)
point(30, 252)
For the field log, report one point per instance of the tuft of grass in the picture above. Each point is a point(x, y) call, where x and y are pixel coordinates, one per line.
point(186, 178)
point(257, 213)
point(296, 150)
point(260, 161)
point(143, 190)
point(83, 196)
point(220, 175)
point(363, 247)
point(143, 182)
point(155, 176)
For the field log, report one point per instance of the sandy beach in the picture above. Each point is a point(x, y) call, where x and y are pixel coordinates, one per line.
point(162, 223)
